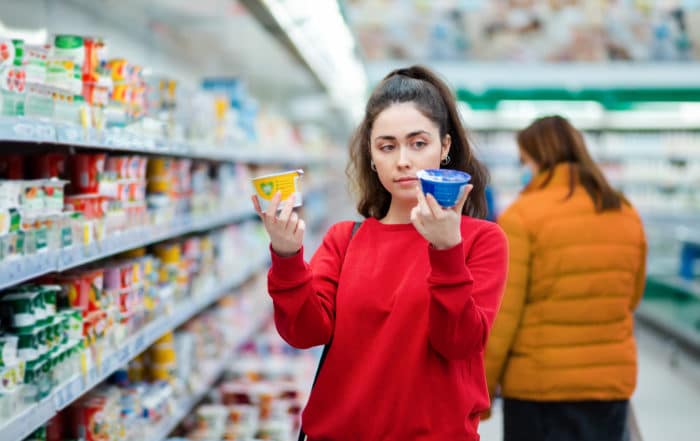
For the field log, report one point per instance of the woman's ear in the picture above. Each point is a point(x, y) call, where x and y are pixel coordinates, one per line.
point(446, 144)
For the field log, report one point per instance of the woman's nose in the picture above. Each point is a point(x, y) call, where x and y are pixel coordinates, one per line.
point(404, 158)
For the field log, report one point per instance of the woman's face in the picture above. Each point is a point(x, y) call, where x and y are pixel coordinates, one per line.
point(402, 142)
point(526, 160)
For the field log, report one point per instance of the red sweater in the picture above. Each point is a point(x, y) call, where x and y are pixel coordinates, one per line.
point(409, 324)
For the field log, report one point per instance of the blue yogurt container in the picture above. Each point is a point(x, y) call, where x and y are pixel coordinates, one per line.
point(446, 185)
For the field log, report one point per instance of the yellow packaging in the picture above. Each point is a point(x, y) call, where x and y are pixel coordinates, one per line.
point(163, 356)
point(168, 253)
point(166, 338)
point(159, 167)
point(162, 372)
point(159, 185)
point(286, 182)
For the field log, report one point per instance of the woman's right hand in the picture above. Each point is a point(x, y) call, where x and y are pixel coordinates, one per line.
point(286, 231)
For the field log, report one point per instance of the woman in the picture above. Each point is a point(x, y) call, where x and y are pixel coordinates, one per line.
point(562, 348)
point(408, 302)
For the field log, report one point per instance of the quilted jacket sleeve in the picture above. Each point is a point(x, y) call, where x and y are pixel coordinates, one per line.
point(641, 276)
point(510, 312)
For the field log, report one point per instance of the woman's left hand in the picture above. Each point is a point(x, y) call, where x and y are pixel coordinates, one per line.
point(439, 226)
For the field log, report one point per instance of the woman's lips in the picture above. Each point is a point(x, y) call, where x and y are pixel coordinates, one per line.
point(407, 181)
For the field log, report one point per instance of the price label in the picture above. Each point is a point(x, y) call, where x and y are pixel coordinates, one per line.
point(109, 364)
point(140, 341)
point(68, 134)
point(67, 394)
point(122, 355)
point(24, 131)
point(45, 132)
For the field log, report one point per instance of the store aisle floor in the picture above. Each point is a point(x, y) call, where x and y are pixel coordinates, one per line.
point(666, 401)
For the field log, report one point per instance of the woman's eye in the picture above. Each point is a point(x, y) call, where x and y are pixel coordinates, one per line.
point(386, 148)
point(419, 144)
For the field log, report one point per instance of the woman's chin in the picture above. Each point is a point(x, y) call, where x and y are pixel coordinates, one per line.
point(405, 197)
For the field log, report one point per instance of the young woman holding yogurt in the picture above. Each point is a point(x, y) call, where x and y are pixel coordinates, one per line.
point(406, 302)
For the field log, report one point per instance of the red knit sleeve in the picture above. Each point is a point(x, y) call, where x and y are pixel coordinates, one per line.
point(304, 294)
point(466, 287)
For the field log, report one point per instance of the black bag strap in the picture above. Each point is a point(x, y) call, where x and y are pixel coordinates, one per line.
point(327, 346)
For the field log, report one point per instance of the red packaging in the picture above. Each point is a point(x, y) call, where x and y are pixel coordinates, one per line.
point(56, 427)
point(12, 166)
point(91, 419)
point(137, 191)
point(134, 165)
point(92, 206)
point(85, 169)
point(119, 165)
point(49, 165)
point(123, 191)
point(95, 282)
point(143, 167)
point(76, 290)
point(91, 61)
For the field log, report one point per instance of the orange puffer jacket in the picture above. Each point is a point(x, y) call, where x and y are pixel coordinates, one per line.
point(564, 331)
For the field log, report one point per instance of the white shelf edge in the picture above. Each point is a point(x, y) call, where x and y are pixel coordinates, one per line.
point(17, 270)
point(649, 315)
point(48, 132)
point(187, 404)
point(37, 414)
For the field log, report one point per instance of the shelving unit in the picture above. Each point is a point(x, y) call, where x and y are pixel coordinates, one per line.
point(279, 147)
point(35, 415)
point(19, 270)
point(186, 404)
point(29, 130)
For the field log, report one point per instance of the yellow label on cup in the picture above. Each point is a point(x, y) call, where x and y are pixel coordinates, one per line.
point(287, 183)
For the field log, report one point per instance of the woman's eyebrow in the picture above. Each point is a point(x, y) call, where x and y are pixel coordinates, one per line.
point(416, 133)
point(410, 135)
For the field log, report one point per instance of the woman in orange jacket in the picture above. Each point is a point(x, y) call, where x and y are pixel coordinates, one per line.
point(562, 348)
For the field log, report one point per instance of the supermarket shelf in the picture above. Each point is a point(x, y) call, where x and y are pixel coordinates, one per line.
point(34, 416)
point(651, 316)
point(188, 403)
point(618, 121)
point(18, 270)
point(690, 287)
point(21, 129)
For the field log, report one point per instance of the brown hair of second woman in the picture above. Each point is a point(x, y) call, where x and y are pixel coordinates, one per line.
point(552, 140)
point(434, 99)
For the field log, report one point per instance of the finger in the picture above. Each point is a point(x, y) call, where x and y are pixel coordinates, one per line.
point(293, 222)
point(416, 218)
point(299, 233)
point(417, 221)
point(286, 210)
point(274, 204)
point(460, 204)
point(423, 204)
point(256, 205)
point(435, 207)
point(415, 212)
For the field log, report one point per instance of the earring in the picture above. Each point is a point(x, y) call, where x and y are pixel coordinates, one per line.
point(373, 166)
point(446, 160)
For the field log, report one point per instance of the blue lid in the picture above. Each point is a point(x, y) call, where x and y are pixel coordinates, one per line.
point(444, 175)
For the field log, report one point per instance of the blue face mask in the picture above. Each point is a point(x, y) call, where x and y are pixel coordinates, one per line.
point(525, 175)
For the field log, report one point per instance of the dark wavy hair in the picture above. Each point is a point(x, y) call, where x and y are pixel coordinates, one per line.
point(434, 99)
point(552, 140)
